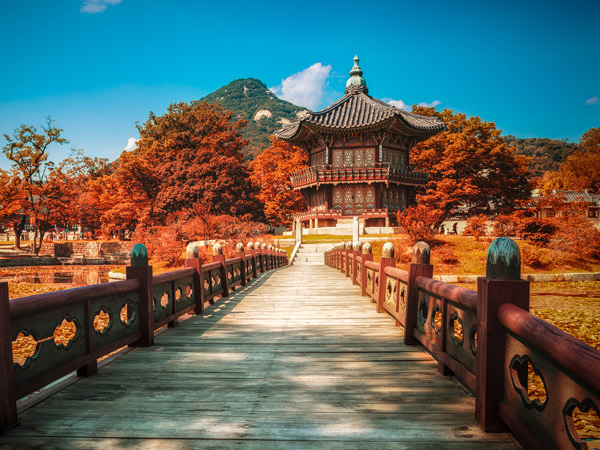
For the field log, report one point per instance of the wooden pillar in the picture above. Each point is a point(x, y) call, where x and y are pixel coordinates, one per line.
point(418, 267)
point(387, 259)
point(140, 270)
point(8, 399)
point(367, 255)
point(316, 222)
point(502, 284)
point(219, 257)
point(192, 261)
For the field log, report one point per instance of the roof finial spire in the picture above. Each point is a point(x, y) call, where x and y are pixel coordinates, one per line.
point(356, 83)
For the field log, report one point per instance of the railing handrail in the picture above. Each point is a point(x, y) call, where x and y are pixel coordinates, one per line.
point(39, 303)
point(575, 356)
point(462, 296)
point(497, 343)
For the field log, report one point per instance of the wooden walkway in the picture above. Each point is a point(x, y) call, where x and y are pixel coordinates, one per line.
point(297, 359)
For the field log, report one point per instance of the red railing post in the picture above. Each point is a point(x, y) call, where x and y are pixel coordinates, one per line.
point(387, 259)
point(139, 269)
point(347, 253)
point(192, 261)
point(418, 267)
point(355, 253)
point(250, 249)
point(239, 253)
point(367, 255)
point(8, 398)
point(219, 257)
point(502, 284)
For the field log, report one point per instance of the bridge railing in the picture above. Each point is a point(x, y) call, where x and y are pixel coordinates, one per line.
point(47, 336)
point(488, 339)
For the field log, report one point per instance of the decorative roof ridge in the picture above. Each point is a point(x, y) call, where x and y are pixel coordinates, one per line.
point(327, 109)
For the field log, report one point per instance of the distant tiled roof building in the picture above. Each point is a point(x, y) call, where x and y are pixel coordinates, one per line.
point(359, 156)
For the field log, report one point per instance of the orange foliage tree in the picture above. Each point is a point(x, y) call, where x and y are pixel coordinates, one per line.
point(476, 227)
point(28, 150)
point(469, 166)
point(581, 170)
point(271, 172)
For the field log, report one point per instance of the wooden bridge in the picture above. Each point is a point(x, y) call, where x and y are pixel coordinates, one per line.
point(286, 357)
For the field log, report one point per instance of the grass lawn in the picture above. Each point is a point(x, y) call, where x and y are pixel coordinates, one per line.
point(463, 255)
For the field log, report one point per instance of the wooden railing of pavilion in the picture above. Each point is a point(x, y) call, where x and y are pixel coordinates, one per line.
point(488, 339)
point(136, 308)
point(368, 172)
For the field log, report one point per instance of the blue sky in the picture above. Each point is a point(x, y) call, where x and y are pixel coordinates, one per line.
point(99, 66)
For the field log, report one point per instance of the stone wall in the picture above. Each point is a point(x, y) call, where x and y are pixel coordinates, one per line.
point(112, 252)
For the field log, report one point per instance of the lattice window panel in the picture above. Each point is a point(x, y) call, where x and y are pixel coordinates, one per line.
point(337, 196)
point(403, 198)
point(359, 196)
point(348, 195)
point(338, 158)
point(402, 159)
point(348, 156)
point(370, 155)
point(370, 197)
point(386, 155)
point(359, 156)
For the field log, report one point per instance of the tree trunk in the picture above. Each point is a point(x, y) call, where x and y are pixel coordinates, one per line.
point(41, 242)
point(18, 228)
point(35, 241)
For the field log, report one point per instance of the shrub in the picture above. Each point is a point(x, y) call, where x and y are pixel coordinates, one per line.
point(446, 254)
point(419, 222)
point(476, 227)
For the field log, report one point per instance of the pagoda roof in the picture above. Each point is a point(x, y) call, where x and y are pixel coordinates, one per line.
point(357, 111)
point(360, 112)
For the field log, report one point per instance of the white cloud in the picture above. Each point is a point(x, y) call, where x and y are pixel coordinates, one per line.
point(398, 104)
point(131, 142)
point(96, 6)
point(593, 101)
point(305, 88)
point(433, 104)
point(401, 105)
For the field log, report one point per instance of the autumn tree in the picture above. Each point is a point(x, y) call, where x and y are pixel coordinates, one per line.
point(13, 203)
point(28, 150)
point(581, 170)
point(271, 172)
point(469, 166)
point(193, 153)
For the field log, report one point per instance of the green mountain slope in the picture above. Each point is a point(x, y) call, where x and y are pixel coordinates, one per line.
point(546, 154)
point(250, 100)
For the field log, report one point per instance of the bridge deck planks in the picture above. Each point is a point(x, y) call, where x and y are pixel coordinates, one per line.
point(298, 359)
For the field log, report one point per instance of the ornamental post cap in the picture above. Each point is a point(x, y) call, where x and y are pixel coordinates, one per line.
point(263, 245)
point(503, 260)
point(217, 249)
point(250, 246)
point(421, 253)
point(139, 256)
point(349, 245)
point(269, 247)
point(356, 246)
point(191, 250)
point(367, 249)
point(239, 247)
point(388, 250)
point(257, 245)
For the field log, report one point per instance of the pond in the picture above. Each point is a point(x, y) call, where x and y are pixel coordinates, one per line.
point(66, 276)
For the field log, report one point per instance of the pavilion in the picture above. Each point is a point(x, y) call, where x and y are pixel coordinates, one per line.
point(359, 158)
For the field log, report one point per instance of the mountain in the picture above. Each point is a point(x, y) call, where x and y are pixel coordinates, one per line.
point(251, 101)
point(546, 154)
